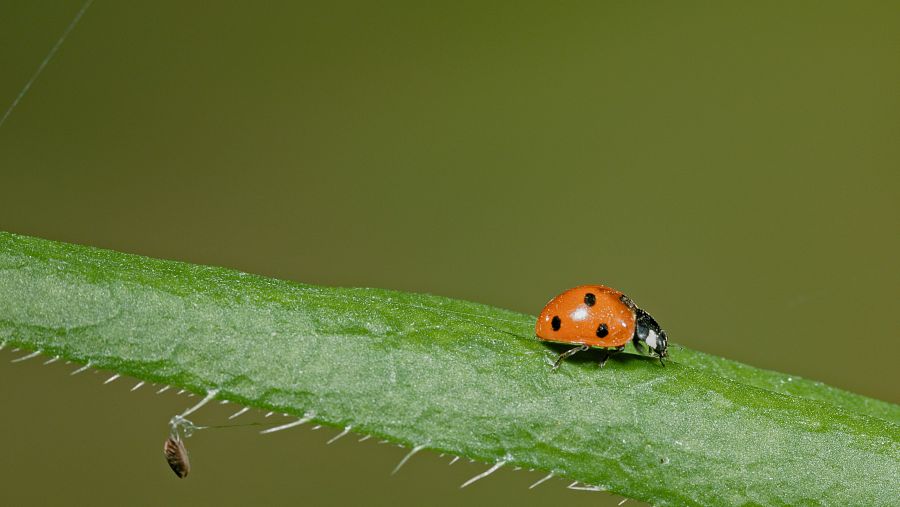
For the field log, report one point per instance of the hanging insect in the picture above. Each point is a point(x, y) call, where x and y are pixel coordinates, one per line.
point(177, 455)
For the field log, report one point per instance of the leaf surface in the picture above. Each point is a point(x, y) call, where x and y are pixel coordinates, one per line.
point(455, 377)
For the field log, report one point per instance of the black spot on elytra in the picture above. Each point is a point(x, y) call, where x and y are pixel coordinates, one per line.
point(602, 330)
point(556, 322)
point(590, 299)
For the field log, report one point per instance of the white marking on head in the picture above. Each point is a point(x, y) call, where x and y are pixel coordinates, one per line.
point(651, 339)
point(579, 314)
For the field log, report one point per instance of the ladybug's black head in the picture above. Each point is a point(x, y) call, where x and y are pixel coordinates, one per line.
point(662, 344)
point(648, 331)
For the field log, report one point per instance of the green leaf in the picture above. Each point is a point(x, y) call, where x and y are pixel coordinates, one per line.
point(455, 377)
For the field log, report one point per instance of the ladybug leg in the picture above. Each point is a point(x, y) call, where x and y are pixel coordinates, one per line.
point(568, 353)
point(609, 353)
point(638, 344)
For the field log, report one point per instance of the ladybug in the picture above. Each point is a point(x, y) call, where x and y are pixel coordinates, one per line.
point(602, 317)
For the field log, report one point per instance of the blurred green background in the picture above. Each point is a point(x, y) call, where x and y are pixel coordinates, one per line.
point(732, 167)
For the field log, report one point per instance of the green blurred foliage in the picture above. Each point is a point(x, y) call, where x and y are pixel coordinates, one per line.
point(730, 166)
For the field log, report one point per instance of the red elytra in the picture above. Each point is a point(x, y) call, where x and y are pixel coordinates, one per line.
point(592, 315)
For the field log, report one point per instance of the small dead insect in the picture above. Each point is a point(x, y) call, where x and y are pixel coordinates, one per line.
point(177, 456)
